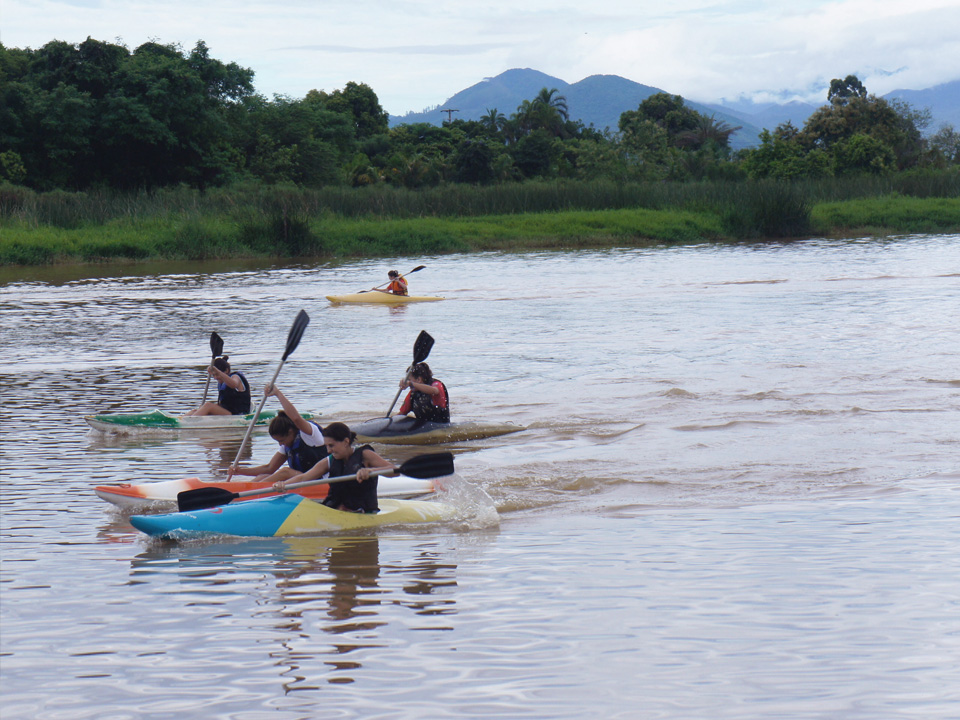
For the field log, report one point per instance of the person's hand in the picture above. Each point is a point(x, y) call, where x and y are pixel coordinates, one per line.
point(280, 486)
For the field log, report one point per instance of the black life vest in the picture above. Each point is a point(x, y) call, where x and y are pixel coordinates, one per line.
point(236, 401)
point(350, 493)
point(301, 457)
point(422, 406)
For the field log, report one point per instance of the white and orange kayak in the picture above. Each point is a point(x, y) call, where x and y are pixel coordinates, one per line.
point(143, 494)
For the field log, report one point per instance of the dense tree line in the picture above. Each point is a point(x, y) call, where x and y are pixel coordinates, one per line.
point(97, 114)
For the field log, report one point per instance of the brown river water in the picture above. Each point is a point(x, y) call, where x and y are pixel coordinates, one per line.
point(737, 494)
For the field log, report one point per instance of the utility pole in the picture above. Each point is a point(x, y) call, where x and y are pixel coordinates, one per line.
point(449, 112)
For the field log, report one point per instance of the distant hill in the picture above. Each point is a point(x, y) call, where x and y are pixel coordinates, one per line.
point(767, 115)
point(599, 100)
point(943, 102)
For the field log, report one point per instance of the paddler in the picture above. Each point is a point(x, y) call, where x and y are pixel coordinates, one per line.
point(358, 495)
point(427, 399)
point(234, 391)
point(301, 443)
point(397, 284)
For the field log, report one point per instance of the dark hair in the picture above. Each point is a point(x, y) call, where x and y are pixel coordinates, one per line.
point(422, 371)
point(393, 273)
point(221, 363)
point(282, 425)
point(339, 432)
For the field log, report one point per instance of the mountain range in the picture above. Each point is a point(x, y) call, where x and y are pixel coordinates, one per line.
point(599, 100)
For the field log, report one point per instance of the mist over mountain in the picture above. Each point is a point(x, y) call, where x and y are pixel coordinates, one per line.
point(599, 100)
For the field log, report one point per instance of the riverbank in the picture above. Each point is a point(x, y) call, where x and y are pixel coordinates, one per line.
point(297, 233)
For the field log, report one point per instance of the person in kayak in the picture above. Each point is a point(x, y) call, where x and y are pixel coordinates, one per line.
point(398, 285)
point(301, 443)
point(358, 495)
point(234, 391)
point(427, 399)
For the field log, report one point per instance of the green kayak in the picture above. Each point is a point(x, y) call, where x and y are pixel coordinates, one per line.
point(160, 420)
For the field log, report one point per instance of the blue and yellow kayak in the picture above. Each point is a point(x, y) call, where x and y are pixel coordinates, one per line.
point(286, 515)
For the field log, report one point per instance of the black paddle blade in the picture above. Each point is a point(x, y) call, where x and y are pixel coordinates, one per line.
point(216, 345)
point(418, 268)
point(296, 332)
point(427, 466)
point(203, 498)
point(422, 346)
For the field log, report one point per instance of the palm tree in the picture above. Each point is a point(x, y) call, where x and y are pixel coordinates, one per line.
point(545, 98)
point(707, 129)
point(493, 120)
point(547, 111)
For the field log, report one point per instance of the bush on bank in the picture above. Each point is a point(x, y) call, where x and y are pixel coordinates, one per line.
point(285, 221)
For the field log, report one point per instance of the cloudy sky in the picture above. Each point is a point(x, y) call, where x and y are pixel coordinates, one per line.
point(415, 54)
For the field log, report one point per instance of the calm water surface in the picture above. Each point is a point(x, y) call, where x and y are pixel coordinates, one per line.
point(737, 496)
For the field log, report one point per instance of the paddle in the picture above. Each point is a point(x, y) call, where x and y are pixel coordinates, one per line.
point(293, 339)
point(421, 349)
point(418, 268)
point(216, 347)
point(421, 466)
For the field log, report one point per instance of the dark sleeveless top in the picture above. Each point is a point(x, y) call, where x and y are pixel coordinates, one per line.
point(301, 457)
point(422, 406)
point(236, 401)
point(350, 493)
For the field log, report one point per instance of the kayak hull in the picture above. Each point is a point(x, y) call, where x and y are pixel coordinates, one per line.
point(160, 420)
point(286, 515)
point(380, 298)
point(129, 495)
point(402, 430)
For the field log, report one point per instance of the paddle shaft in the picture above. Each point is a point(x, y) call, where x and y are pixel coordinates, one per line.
point(418, 268)
point(216, 347)
point(421, 467)
point(293, 339)
point(421, 349)
point(256, 416)
point(308, 483)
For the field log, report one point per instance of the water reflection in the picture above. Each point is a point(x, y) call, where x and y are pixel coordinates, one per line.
point(336, 588)
point(220, 450)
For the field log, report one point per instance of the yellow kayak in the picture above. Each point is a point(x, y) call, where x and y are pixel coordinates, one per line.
point(380, 298)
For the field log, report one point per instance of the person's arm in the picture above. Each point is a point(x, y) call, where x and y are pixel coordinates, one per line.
point(424, 388)
point(267, 468)
point(407, 405)
point(233, 381)
point(304, 426)
point(317, 471)
point(371, 461)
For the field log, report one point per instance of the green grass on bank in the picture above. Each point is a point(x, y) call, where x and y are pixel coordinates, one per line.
point(249, 233)
point(885, 215)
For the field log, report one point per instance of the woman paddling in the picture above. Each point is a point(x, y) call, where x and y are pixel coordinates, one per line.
point(234, 391)
point(397, 286)
point(301, 443)
point(358, 495)
point(427, 398)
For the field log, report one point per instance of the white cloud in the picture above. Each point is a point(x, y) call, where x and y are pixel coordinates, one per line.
point(416, 53)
